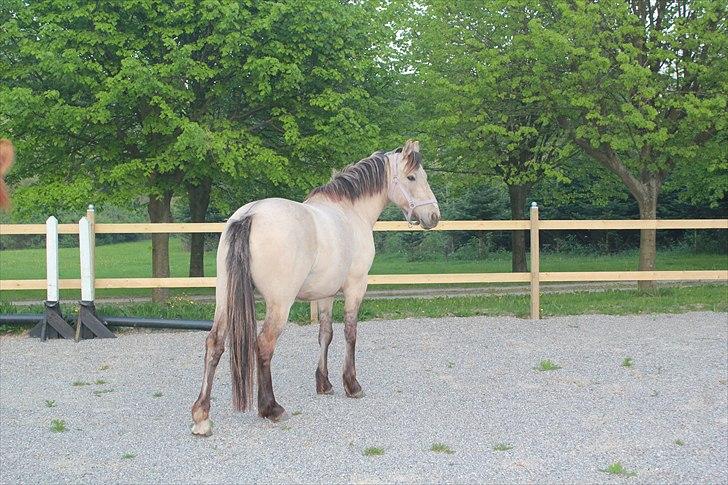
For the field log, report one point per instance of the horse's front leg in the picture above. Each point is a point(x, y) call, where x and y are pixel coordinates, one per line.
point(323, 385)
point(352, 301)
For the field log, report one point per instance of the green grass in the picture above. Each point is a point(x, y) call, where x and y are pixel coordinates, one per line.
point(50, 403)
point(128, 456)
point(80, 383)
point(100, 392)
point(441, 448)
point(679, 442)
point(614, 302)
point(628, 362)
point(157, 394)
point(100, 382)
point(547, 365)
point(616, 468)
point(502, 447)
point(58, 426)
point(373, 451)
point(133, 259)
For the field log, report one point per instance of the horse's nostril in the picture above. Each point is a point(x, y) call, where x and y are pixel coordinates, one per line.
point(435, 219)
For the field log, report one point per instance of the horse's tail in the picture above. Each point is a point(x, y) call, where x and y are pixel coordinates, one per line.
point(7, 154)
point(240, 307)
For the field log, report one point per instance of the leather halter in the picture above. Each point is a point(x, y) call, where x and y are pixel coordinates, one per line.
point(412, 203)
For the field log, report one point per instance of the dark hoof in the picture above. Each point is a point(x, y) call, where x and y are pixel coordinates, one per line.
point(323, 385)
point(275, 413)
point(353, 390)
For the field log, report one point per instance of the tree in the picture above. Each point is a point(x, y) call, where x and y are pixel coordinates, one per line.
point(640, 86)
point(475, 79)
point(115, 100)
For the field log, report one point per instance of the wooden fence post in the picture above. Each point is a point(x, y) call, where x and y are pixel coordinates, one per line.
point(535, 265)
point(314, 312)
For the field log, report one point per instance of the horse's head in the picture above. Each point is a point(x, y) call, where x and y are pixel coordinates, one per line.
point(408, 186)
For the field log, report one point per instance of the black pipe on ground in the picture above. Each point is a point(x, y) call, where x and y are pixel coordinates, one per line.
point(118, 322)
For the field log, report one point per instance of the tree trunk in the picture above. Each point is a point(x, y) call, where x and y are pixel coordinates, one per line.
point(648, 238)
point(518, 194)
point(159, 209)
point(199, 200)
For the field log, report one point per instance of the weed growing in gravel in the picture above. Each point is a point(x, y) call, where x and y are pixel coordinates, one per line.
point(679, 442)
point(104, 367)
point(80, 383)
point(373, 451)
point(128, 456)
point(157, 394)
point(50, 403)
point(547, 365)
point(58, 426)
point(296, 413)
point(99, 392)
point(616, 468)
point(441, 448)
point(100, 382)
point(450, 365)
point(627, 362)
point(502, 447)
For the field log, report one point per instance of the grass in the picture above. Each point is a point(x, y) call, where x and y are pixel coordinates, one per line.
point(80, 383)
point(679, 442)
point(628, 362)
point(547, 365)
point(614, 302)
point(441, 448)
point(100, 392)
point(58, 426)
point(157, 394)
point(616, 468)
point(50, 403)
point(104, 367)
point(100, 382)
point(296, 413)
point(373, 451)
point(128, 456)
point(133, 259)
point(502, 447)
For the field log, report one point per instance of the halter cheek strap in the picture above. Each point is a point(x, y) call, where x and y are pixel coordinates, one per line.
point(412, 203)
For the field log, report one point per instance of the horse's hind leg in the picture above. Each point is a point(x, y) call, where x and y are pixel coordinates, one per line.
point(323, 385)
point(214, 347)
point(275, 319)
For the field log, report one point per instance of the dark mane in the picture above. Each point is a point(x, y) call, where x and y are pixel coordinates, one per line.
point(364, 178)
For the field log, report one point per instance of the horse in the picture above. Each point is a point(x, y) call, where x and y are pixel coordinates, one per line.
point(7, 154)
point(309, 251)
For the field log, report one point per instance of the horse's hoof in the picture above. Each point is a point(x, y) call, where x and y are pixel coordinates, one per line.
point(203, 428)
point(274, 414)
point(356, 394)
point(325, 390)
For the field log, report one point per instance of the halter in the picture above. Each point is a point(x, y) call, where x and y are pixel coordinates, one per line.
point(411, 202)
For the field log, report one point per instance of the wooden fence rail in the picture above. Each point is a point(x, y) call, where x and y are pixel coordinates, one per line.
point(535, 277)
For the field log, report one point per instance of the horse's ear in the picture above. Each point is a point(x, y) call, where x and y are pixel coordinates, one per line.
point(409, 148)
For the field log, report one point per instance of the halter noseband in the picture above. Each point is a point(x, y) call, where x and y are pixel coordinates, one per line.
point(411, 202)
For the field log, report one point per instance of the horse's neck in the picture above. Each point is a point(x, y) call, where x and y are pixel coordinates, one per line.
point(370, 208)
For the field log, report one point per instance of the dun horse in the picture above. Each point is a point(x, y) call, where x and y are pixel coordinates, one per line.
point(310, 251)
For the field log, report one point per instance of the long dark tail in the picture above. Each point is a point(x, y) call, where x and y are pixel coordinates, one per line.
point(241, 313)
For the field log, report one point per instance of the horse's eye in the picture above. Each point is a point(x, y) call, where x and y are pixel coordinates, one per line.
point(411, 178)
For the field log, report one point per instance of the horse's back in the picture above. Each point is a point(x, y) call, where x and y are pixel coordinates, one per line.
point(296, 250)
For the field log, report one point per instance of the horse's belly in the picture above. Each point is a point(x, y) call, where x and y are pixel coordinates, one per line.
point(322, 284)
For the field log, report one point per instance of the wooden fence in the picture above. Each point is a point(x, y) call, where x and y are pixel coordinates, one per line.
point(534, 277)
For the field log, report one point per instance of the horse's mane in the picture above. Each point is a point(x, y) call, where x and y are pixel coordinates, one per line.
point(364, 178)
point(6, 159)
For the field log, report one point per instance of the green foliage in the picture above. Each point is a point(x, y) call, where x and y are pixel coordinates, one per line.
point(111, 100)
point(373, 451)
point(617, 468)
point(58, 426)
point(547, 365)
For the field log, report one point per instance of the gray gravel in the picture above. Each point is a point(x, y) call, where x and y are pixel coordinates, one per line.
point(469, 383)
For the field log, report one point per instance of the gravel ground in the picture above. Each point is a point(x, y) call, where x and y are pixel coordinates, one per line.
point(468, 383)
